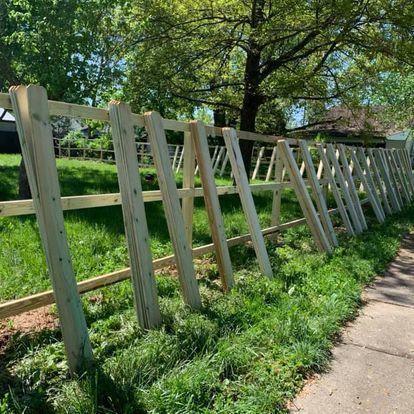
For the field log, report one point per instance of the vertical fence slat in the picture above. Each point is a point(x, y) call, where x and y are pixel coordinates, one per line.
point(177, 148)
point(218, 159)
point(246, 198)
point(30, 106)
point(258, 161)
point(321, 174)
point(188, 182)
point(277, 194)
point(173, 212)
point(370, 169)
point(211, 199)
point(392, 173)
point(399, 176)
point(272, 162)
point(403, 174)
point(351, 186)
point(344, 188)
point(378, 182)
point(383, 169)
point(368, 187)
point(408, 168)
point(224, 165)
point(304, 197)
point(135, 221)
point(318, 196)
point(335, 191)
point(180, 161)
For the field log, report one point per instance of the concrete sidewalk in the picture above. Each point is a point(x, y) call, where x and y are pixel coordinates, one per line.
point(373, 367)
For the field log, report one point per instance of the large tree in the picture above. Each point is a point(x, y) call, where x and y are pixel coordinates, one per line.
point(70, 47)
point(251, 59)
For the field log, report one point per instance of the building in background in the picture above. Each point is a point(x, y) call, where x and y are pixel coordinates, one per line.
point(9, 140)
point(364, 126)
point(402, 140)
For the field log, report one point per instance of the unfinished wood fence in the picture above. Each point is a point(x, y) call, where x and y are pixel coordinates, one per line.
point(385, 177)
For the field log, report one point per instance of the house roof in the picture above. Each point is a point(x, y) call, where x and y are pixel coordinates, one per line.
point(5, 115)
point(342, 121)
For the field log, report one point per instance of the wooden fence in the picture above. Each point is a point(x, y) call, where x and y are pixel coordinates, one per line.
point(263, 157)
point(385, 177)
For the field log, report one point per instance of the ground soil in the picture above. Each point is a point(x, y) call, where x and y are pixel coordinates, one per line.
point(33, 321)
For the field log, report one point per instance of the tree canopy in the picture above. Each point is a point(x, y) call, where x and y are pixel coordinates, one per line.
point(251, 63)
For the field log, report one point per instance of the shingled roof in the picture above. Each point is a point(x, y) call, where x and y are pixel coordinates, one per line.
point(345, 123)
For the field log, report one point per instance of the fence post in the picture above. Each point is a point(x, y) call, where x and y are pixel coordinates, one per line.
point(246, 198)
point(303, 197)
point(277, 194)
point(188, 182)
point(173, 212)
point(271, 163)
point(177, 147)
point(392, 174)
point(223, 166)
point(378, 181)
point(391, 191)
point(335, 191)
point(180, 161)
point(219, 156)
point(368, 185)
point(399, 176)
point(408, 168)
point(321, 174)
point(258, 161)
point(135, 221)
point(370, 170)
point(342, 184)
point(30, 106)
point(318, 196)
point(211, 199)
point(213, 159)
point(351, 186)
point(403, 175)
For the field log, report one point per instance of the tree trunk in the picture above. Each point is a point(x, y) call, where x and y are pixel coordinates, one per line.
point(248, 123)
point(252, 96)
point(24, 188)
point(219, 117)
point(251, 103)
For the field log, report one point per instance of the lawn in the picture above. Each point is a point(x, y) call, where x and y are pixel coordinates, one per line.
point(244, 352)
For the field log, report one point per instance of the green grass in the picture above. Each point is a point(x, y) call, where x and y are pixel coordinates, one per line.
point(96, 236)
point(244, 352)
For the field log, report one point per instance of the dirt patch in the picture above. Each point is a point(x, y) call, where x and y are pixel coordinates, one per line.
point(32, 321)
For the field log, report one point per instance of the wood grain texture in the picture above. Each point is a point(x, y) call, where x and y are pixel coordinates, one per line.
point(212, 204)
point(304, 199)
point(335, 190)
point(393, 176)
point(258, 162)
point(30, 107)
point(344, 188)
point(172, 208)
point(378, 182)
point(318, 196)
point(386, 178)
point(246, 198)
point(368, 185)
point(135, 221)
point(351, 186)
point(271, 164)
point(277, 193)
